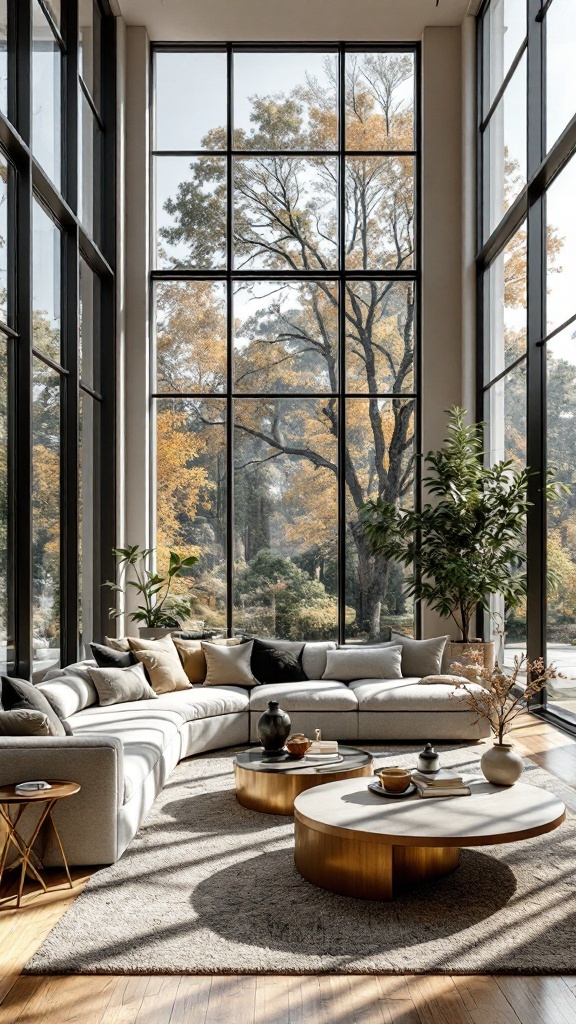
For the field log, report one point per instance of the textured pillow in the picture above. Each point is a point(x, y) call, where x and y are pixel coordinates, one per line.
point(277, 661)
point(119, 685)
point(118, 644)
point(25, 723)
point(70, 690)
point(20, 695)
point(444, 679)
point(193, 658)
point(163, 643)
point(108, 657)
point(228, 665)
point(164, 671)
point(421, 657)
point(372, 663)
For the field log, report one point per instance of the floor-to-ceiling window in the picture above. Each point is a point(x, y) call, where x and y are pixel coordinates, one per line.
point(527, 266)
point(57, 90)
point(285, 326)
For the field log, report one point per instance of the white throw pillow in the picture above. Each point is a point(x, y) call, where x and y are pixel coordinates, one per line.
point(421, 657)
point(371, 663)
point(444, 680)
point(228, 666)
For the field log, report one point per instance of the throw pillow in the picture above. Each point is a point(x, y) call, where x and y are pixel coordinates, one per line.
point(277, 661)
point(118, 644)
point(373, 663)
point(445, 679)
point(119, 685)
point(228, 665)
point(421, 657)
point(193, 658)
point(24, 723)
point(108, 657)
point(20, 695)
point(164, 671)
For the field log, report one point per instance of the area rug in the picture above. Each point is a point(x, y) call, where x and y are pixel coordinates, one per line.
point(208, 886)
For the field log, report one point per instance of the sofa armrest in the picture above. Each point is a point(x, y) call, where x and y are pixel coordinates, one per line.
point(87, 821)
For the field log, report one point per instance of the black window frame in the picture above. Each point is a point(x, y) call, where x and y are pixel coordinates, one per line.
point(229, 275)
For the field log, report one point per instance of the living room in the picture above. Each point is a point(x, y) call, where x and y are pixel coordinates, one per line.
point(287, 640)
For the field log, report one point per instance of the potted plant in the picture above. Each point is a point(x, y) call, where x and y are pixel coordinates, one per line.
point(499, 699)
point(465, 546)
point(158, 605)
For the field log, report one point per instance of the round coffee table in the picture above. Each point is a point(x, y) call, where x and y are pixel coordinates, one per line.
point(261, 787)
point(357, 843)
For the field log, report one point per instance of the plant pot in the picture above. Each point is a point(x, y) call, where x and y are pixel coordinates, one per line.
point(502, 765)
point(457, 650)
point(274, 727)
point(154, 632)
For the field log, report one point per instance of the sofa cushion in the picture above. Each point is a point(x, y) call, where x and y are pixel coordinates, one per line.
point(314, 657)
point(25, 723)
point(277, 661)
point(69, 689)
point(107, 657)
point(121, 685)
point(370, 663)
point(420, 657)
point(193, 658)
point(228, 665)
point(21, 695)
point(407, 695)
point(312, 695)
point(196, 703)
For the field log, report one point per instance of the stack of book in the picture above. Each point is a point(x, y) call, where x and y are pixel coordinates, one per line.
point(443, 783)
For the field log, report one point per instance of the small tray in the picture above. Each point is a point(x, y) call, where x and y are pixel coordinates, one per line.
point(377, 788)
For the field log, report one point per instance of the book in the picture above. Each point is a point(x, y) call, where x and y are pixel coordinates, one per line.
point(442, 794)
point(321, 747)
point(442, 779)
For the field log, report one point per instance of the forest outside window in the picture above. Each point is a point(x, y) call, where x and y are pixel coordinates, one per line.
point(285, 316)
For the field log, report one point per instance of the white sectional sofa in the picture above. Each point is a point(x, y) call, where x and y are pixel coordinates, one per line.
point(123, 754)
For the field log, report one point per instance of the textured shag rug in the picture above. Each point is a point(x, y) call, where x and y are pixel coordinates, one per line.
point(210, 887)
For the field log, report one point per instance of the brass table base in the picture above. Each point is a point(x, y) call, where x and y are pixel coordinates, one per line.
point(364, 869)
point(275, 792)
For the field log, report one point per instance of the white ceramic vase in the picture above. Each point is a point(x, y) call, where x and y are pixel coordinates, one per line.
point(502, 765)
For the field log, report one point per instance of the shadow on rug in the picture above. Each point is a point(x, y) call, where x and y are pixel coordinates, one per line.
point(208, 886)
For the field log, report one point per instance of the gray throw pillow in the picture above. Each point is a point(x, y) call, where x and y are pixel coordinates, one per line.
point(20, 695)
point(25, 723)
point(120, 685)
point(371, 663)
point(228, 666)
point(421, 657)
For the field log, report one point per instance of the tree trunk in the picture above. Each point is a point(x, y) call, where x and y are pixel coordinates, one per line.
point(373, 579)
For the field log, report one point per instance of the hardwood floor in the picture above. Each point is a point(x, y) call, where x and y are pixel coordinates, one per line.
point(266, 999)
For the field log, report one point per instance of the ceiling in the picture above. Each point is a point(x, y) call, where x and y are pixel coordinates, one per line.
point(290, 20)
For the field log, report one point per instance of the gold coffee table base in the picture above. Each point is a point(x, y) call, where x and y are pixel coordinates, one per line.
point(366, 870)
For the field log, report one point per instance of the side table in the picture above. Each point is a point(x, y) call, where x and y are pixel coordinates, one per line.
point(49, 797)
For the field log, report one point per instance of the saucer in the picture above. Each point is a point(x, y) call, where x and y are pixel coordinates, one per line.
point(377, 788)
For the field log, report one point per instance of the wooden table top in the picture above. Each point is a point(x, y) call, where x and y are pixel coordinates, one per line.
point(492, 814)
point(58, 791)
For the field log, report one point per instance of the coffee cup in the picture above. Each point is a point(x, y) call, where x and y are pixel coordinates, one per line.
point(394, 780)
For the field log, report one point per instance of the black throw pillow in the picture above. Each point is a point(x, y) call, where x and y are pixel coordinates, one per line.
point(19, 694)
point(278, 661)
point(107, 657)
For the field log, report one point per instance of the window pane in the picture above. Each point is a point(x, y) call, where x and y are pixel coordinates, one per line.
point(6, 241)
point(89, 327)
point(46, 96)
point(190, 336)
point(89, 47)
point(190, 124)
point(380, 213)
point(54, 8)
point(88, 473)
point(46, 514)
point(6, 651)
point(45, 284)
point(505, 28)
point(506, 418)
point(505, 307)
point(380, 101)
point(379, 446)
point(561, 545)
point(505, 150)
point(191, 500)
point(285, 213)
point(4, 56)
point(190, 212)
point(560, 78)
point(379, 336)
point(561, 248)
point(285, 101)
point(285, 337)
point(285, 498)
point(89, 155)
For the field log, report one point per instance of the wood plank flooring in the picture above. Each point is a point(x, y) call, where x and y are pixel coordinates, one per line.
point(266, 999)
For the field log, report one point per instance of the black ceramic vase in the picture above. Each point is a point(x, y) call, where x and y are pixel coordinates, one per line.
point(273, 728)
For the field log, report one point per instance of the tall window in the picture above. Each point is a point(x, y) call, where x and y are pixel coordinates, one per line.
point(285, 323)
point(526, 263)
point(56, 326)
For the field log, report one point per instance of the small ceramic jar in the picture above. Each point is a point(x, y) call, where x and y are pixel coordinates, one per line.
point(428, 760)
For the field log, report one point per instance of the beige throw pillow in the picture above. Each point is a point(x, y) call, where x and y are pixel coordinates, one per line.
point(120, 685)
point(193, 658)
point(120, 644)
point(370, 663)
point(445, 679)
point(164, 671)
point(228, 665)
point(21, 722)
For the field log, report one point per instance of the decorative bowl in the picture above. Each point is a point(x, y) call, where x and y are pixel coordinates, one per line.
point(298, 744)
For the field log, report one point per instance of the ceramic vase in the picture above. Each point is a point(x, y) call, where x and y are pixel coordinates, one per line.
point(273, 727)
point(502, 765)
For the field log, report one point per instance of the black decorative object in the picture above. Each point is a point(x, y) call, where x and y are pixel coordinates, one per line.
point(274, 728)
point(428, 761)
